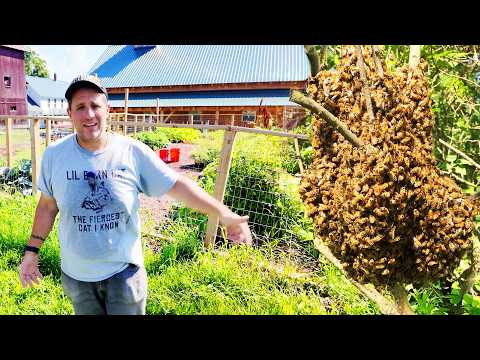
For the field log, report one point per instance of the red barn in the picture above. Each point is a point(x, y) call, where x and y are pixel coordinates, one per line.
point(13, 90)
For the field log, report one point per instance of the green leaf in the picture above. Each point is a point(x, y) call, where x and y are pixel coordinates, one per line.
point(460, 170)
point(455, 296)
point(476, 301)
point(451, 158)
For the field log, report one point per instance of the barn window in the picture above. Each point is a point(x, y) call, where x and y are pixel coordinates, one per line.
point(249, 116)
point(13, 108)
point(7, 81)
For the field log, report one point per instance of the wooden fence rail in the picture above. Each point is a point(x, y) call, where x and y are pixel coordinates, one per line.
point(117, 122)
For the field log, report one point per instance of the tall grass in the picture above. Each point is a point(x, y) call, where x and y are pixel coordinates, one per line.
point(183, 277)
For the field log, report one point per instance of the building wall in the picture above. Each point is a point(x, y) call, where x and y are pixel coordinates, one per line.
point(12, 64)
point(55, 108)
point(181, 115)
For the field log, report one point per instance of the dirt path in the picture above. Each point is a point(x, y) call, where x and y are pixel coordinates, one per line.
point(156, 209)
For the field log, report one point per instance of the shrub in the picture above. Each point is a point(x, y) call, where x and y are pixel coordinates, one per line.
point(17, 178)
point(264, 192)
point(155, 140)
point(179, 135)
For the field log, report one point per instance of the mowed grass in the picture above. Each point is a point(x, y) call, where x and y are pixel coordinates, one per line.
point(184, 278)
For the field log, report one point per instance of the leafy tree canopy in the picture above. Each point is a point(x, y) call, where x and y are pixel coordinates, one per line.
point(35, 65)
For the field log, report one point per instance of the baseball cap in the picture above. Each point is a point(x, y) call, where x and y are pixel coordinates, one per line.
point(83, 81)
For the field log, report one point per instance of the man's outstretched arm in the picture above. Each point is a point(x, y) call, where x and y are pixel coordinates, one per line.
point(188, 192)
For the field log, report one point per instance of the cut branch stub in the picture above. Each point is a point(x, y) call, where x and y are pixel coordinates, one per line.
point(414, 56)
point(313, 59)
point(310, 104)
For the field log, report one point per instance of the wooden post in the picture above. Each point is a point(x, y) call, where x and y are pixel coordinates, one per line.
point(297, 152)
point(232, 120)
point(143, 126)
point(158, 108)
point(161, 117)
point(220, 184)
point(126, 112)
point(135, 126)
point(217, 117)
point(48, 131)
point(9, 135)
point(35, 147)
point(191, 119)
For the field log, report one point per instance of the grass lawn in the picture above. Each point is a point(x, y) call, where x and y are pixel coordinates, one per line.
point(21, 146)
point(184, 278)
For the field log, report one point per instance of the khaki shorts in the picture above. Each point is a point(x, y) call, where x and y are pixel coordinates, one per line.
point(124, 293)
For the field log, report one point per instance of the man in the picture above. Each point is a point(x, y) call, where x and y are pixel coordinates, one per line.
point(93, 178)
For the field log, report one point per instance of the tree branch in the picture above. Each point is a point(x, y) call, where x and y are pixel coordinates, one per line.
point(313, 59)
point(401, 297)
point(466, 157)
point(363, 77)
point(310, 104)
point(378, 62)
point(386, 307)
point(458, 178)
point(466, 287)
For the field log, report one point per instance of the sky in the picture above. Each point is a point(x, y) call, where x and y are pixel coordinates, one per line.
point(68, 61)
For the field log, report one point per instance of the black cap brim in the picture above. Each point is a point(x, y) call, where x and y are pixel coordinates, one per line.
point(83, 84)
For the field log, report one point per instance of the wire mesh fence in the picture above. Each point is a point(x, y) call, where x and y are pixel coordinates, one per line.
point(261, 181)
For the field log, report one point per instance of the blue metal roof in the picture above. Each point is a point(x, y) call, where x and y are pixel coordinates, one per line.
point(170, 65)
point(33, 108)
point(46, 88)
point(279, 97)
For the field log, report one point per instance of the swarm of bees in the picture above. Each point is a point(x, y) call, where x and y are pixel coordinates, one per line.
point(384, 209)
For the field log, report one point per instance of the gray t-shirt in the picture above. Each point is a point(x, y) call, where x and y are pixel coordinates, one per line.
point(97, 196)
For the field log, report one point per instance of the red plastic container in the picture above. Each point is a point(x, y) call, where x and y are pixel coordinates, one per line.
point(174, 154)
point(169, 154)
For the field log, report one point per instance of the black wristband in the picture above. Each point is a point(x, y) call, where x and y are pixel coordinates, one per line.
point(32, 249)
point(37, 237)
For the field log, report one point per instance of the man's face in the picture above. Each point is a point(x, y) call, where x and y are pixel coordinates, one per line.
point(89, 112)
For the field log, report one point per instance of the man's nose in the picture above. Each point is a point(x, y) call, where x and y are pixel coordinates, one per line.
point(90, 113)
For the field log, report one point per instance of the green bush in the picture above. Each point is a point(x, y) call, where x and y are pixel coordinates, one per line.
point(179, 135)
point(274, 150)
point(208, 148)
point(155, 140)
point(264, 192)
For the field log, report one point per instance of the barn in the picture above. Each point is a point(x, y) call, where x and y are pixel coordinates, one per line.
point(13, 92)
point(206, 83)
